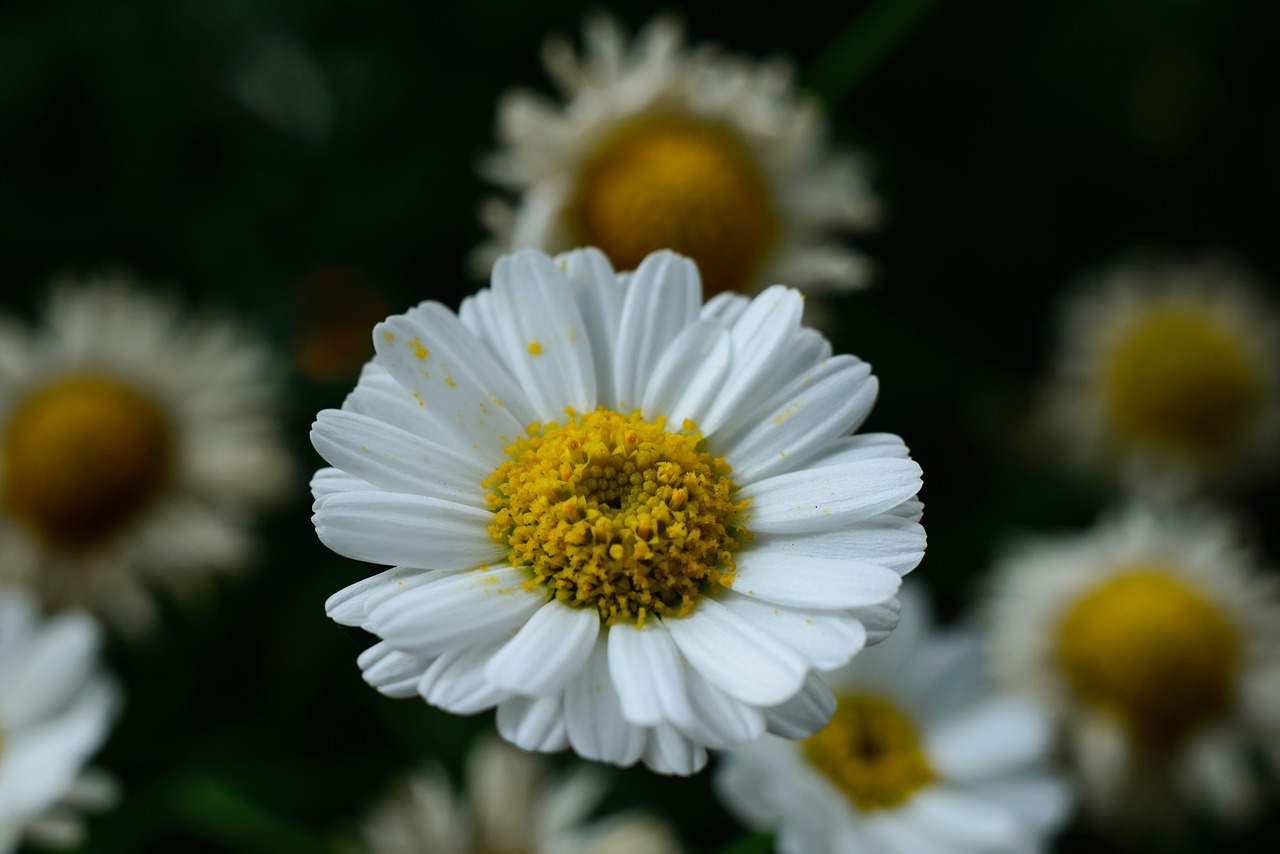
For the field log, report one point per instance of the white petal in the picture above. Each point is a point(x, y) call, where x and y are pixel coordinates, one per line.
point(348, 606)
point(646, 670)
point(599, 296)
point(760, 335)
point(456, 610)
point(391, 459)
point(455, 681)
point(540, 335)
point(824, 640)
point(864, 446)
point(1042, 801)
point(725, 307)
point(328, 481)
point(812, 583)
point(805, 713)
point(534, 723)
point(466, 397)
point(55, 662)
point(547, 652)
point(966, 822)
point(818, 407)
point(818, 499)
point(391, 672)
point(662, 298)
point(894, 832)
point(737, 656)
point(996, 737)
point(378, 396)
point(889, 541)
point(879, 620)
point(686, 378)
point(393, 528)
point(669, 752)
point(723, 721)
point(593, 714)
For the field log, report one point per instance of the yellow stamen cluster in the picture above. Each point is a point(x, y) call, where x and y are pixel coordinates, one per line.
point(81, 456)
point(1149, 650)
point(1177, 380)
point(675, 182)
point(614, 512)
point(871, 751)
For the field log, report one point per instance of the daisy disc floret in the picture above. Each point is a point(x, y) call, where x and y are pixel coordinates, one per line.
point(132, 443)
point(633, 523)
point(1155, 645)
point(920, 755)
point(661, 146)
point(1168, 375)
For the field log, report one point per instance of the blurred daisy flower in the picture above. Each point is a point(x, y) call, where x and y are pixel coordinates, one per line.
point(1169, 374)
point(920, 755)
point(133, 443)
point(633, 523)
point(1157, 647)
point(660, 146)
point(511, 807)
point(55, 709)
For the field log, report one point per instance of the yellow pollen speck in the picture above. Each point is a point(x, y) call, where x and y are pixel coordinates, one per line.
point(677, 182)
point(1152, 652)
point(613, 512)
point(419, 351)
point(534, 348)
point(871, 751)
point(388, 335)
point(450, 383)
point(82, 456)
point(1179, 381)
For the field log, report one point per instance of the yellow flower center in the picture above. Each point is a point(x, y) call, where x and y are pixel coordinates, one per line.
point(1181, 382)
point(674, 182)
point(1147, 649)
point(871, 751)
point(81, 456)
point(616, 513)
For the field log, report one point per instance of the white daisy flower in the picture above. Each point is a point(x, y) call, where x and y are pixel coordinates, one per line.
point(660, 146)
point(55, 709)
point(632, 523)
point(920, 755)
point(133, 444)
point(1157, 646)
point(511, 807)
point(1169, 375)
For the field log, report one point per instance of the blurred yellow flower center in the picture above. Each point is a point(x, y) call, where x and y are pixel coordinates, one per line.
point(1181, 382)
point(1147, 649)
point(614, 512)
point(82, 455)
point(871, 751)
point(675, 182)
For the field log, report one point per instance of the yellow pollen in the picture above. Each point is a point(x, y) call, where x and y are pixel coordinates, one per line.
point(82, 456)
point(1149, 650)
point(613, 512)
point(534, 348)
point(676, 182)
point(1180, 382)
point(871, 751)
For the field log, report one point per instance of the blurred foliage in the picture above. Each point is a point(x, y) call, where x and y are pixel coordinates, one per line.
point(231, 148)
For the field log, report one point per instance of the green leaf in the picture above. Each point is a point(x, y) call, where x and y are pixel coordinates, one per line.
point(862, 44)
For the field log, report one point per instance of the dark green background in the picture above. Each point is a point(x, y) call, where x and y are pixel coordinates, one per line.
point(1017, 144)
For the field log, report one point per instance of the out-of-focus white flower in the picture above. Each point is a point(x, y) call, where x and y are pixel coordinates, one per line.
point(920, 755)
point(134, 442)
point(659, 146)
point(1156, 645)
point(510, 807)
point(55, 709)
point(633, 523)
point(1169, 375)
